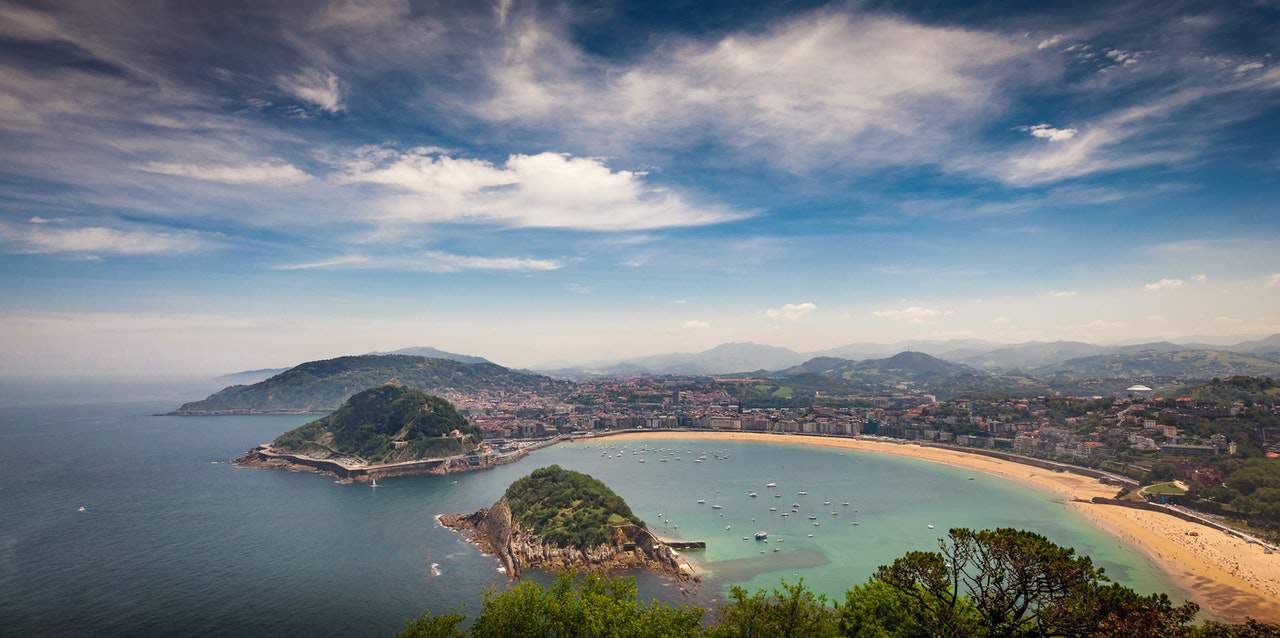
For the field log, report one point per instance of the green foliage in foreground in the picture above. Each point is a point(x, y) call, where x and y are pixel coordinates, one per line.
point(567, 508)
point(1000, 583)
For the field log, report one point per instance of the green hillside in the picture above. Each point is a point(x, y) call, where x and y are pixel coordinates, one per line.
point(324, 385)
point(1185, 364)
point(1248, 390)
point(566, 508)
point(386, 424)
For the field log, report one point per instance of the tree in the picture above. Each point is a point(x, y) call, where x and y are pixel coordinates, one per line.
point(428, 626)
point(585, 607)
point(1020, 584)
point(791, 612)
point(878, 610)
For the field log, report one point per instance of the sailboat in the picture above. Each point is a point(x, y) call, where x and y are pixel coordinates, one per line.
point(374, 483)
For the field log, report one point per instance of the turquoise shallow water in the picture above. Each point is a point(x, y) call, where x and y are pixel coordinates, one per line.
point(174, 539)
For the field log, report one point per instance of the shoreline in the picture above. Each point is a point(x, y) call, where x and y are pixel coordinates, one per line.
point(1228, 577)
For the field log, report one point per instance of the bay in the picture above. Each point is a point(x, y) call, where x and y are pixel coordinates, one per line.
point(174, 539)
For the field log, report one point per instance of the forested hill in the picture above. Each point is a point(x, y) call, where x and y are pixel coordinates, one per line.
point(386, 424)
point(566, 508)
point(323, 385)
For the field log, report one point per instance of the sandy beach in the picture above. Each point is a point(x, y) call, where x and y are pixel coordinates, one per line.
point(1229, 578)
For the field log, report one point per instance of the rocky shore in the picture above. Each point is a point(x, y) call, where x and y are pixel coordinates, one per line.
point(632, 547)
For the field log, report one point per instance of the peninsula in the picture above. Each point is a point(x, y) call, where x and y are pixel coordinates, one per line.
point(389, 430)
point(559, 520)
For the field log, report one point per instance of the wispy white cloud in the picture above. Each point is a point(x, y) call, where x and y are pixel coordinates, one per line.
point(1045, 131)
point(791, 311)
point(911, 314)
point(319, 87)
point(1272, 280)
point(333, 262)
point(429, 261)
point(547, 190)
point(695, 324)
point(42, 236)
point(278, 173)
point(787, 93)
point(1164, 284)
point(1063, 293)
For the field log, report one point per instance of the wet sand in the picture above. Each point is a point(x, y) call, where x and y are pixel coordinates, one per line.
point(1229, 578)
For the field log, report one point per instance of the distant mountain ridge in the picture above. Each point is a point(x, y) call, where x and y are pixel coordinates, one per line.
point(730, 358)
point(724, 358)
point(324, 385)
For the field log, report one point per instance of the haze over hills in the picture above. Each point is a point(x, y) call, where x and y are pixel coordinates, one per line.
point(729, 358)
point(724, 358)
point(434, 353)
point(324, 385)
point(253, 376)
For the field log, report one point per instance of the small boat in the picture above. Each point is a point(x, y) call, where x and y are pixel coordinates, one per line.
point(697, 460)
point(770, 484)
point(930, 525)
point(762, 535)
point(82, 508)
point(728, 527)
point(773, 509)
point(811, 536)
point(775, 549)
point(746, 538)
point(374, 483)
point(642, 460)
point(846, 503)
point(752, 494)
point(786, 514)
point(816, 524)
point(795, 506)
point(777, 496)
point(802, 492)
point(970, 478)
point(702, 501)
point(662, 460)
point(435, 569)
point(812, 517)
point(826, 502)
point(717, 507)
point(855, 523)
point(835, 513)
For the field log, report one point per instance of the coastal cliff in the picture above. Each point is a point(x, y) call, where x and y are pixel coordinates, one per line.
point(558, 520)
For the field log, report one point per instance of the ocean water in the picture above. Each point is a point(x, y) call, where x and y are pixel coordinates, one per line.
point(174, 539)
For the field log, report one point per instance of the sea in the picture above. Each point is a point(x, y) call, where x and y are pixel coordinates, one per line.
point(117, 522)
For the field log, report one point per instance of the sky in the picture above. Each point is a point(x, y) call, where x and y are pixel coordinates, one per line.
point(198, 188)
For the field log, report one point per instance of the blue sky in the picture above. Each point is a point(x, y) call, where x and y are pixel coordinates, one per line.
point(191, 189)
